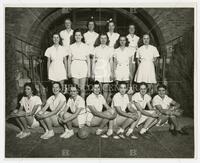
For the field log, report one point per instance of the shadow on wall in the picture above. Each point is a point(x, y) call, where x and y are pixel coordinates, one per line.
point(180, 73)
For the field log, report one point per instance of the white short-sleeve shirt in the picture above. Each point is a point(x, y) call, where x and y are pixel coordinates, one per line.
point(141, 100)
point(120, 101)
point(78, 103)
point(96, 100)
point(79, 52)
point(133, 41)
point(123, 56)
point(65, 36)
point(54, 101)
point(112, 38)
point(90, 38)
point(147, 53)
point(165, 103)
point(56, 54)
point(28, 104)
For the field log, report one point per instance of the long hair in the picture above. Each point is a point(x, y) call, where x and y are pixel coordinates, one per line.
point(110, 21)
point(73, 37)
point(117, 45)
point(98, 41)
point(32, 86)
point(91, 19)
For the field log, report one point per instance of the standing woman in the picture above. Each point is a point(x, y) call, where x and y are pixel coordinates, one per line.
point(112, 35)
point(79, 61)
point(146, 57)
point(57, 62)
point(123, 56)
point(102, 67)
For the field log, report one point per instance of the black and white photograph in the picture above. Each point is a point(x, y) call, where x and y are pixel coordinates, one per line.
point(100, 81)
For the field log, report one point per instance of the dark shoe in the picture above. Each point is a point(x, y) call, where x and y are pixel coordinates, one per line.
point(173, 132)
point(182, 132)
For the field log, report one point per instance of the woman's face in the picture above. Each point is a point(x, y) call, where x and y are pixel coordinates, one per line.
point(91, 26)
point(162, 92)
point(122, 41)
point(56, 39)
point(78, 36)
point(131, 29)
point(96, 89)
point(28, 91)
point(73, 92)
point(122, 89)
point(146, 39)
point(68, 24)
point(111, 26)
point(56, 88)
point(143, 90)
point(103, 39)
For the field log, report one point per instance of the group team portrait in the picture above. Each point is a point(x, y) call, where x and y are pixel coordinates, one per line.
point(99, 82)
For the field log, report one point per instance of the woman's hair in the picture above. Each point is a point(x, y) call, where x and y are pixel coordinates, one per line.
point(75, 86)
point(56, 33)
point(98, 42)
point(68, 19)
point(122, 82)
point(143, 83)
point(91, 19)
point(73, 37)
point(60, 86)
point(32, 86)
point(110, 21)
point(117, 45)
point(161, 86)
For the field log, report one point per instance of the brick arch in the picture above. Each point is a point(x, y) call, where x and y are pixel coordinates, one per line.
point(142, 19)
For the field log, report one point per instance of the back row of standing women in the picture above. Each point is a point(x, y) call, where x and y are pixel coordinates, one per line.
point(114, 57)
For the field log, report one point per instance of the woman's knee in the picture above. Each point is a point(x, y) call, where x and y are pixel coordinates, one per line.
point(66, 115)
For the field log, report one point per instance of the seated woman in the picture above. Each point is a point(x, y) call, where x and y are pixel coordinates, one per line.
point(126, 115)
point(169, 110)
point(74, 113)
point(48, 116)
point(96, 116)
point(139, 101)
point(30, 104)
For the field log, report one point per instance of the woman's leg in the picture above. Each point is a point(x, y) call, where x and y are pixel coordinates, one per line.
point(62, 85)
point(105, 87)
point(19, 123)
point(82, 83)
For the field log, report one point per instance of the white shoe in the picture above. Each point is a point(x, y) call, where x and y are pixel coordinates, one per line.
point(49, 135)
point(24, 134)
point(143, 130)
point(116, 137)
point(129, 132)
point(19, 134)
point(134, 137)
point(64, 134)
point(43, 135)
point(99, 131)
point(69, 134)
point(104, 136)
point(120, 131)
point(110, 132)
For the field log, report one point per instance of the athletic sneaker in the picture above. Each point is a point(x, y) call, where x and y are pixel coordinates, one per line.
point(109, 132)
point(49, 135)
point(99, 131)
point(24, 134)
point(69, 134)
point(43, 135)
point(64, 133)
point(143, 130)
point(134, 137)
point(19, 134)
point(129, 132)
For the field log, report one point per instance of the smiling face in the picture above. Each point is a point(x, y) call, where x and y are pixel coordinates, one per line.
point(146, 39)
point(122, 41)
point(78, 36)
point(161, 92)
point(96, 89)
point(56, 39)
point(56, 88)
point(122, 89)
point(68, 23)
point(28, 91)
point(111, 27)
point(143, 89)
point(103, 39)
point(73, 92)
point(131, 29)
point(91, 26)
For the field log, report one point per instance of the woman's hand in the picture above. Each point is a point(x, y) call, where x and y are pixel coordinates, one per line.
point(130, 91)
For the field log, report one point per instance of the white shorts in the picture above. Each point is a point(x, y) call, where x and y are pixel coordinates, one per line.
point(79, 69)
point(143, 118)
point(89, 117)
point(82, 119)
point(122, 73)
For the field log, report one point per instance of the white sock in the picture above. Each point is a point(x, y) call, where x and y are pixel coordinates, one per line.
point(130, 130)
point(143, 130)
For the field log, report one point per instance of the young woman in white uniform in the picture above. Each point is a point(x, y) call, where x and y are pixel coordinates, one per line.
point(112, 35)
point(79, 61)
point(146, 57)
point(123, 56)
point(57, 61)
point(66, 35)
point(48, 115)
point(30, 104)
point(102, 67)
point(133, 43)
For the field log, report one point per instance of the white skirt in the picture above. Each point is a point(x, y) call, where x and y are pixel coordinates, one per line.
point(79, 69)
point(145, 72)
point(122, 72)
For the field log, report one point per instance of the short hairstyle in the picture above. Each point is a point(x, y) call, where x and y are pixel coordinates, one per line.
point(32, 86)
point(143, 83)
point(111, 21)
point(68, 19)
point(122, 82)
point(73, 37)
point(96, 83)
point(131, 24)
point(60, 86)
point(56, 33)
point(161, 86)
point(75, 86)
point(98, 42)
point(146, 34)
point(91, 20)
point(117, 45)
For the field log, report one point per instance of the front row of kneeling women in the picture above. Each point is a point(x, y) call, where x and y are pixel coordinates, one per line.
point(121, 117)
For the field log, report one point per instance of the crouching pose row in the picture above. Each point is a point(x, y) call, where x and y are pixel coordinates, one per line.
point(121, 118)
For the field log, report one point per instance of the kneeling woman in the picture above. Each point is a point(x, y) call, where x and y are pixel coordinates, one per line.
point(48, 116)
point(74, 113)
point(29, 105)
